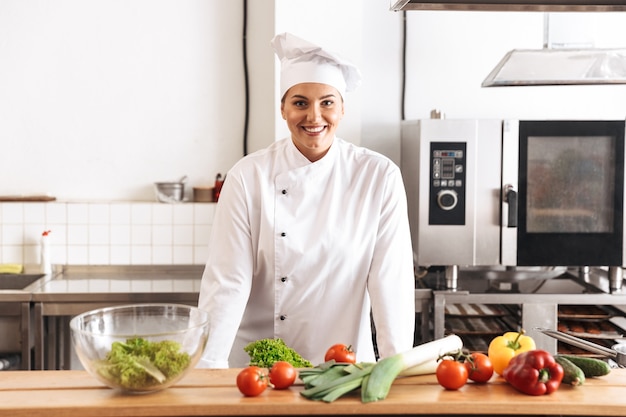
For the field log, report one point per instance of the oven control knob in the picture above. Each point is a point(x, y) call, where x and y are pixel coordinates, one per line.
point(447, 199)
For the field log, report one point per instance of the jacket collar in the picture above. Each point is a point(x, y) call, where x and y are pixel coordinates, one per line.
point(301, 160)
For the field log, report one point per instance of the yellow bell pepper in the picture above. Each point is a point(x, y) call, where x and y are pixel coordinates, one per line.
point(503, 348)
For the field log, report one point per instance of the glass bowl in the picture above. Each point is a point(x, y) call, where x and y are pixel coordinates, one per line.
point(141, 347)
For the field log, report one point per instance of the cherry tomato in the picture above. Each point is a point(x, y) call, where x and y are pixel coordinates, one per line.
point(451, 374)
point(282, 375)
point(479, 367)
point(341, 353)
point(252, 381)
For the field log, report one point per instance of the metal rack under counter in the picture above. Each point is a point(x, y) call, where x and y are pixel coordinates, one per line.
point(537, 301)
point(15, 317)
point(77, 289)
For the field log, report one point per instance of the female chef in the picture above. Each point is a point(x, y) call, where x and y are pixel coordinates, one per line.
point(311, 234)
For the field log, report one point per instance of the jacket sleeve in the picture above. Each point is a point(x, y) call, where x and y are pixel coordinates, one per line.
point(391, 282)
point(227, 276)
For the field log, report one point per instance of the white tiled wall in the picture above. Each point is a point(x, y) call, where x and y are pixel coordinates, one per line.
point(117, 233)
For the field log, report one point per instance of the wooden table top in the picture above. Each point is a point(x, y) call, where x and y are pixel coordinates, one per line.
point(206, 392)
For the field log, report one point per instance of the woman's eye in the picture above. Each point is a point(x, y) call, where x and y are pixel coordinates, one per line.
point(327, 103)
point(299, 103)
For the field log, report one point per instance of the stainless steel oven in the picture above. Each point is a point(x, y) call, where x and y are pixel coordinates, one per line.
point(516, 193)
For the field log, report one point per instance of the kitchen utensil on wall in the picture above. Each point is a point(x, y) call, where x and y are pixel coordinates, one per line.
point(171, 192)
point(203, 194)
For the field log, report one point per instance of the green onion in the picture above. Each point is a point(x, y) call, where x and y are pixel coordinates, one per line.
point(388, 369)
point(330, 380)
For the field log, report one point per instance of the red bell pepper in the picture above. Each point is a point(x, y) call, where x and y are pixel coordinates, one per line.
point(534, 372)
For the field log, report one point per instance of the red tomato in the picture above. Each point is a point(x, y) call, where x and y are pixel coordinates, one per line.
point(282, 375)
point(252, 381)
point(479, 367)
point(341, 353)
point(451, 374)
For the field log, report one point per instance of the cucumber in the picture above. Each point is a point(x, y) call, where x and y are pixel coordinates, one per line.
point(572, 374)
point(591, 367)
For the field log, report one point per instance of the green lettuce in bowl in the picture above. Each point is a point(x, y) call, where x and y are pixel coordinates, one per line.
point(140, 347)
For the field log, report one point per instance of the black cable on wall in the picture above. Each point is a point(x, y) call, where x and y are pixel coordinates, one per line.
point(245, 73)
point(403, 88)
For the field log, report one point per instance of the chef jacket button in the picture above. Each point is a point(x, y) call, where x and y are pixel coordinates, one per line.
point(283, 279)
point(284, 191)
point(283, 234)
point(283, 317)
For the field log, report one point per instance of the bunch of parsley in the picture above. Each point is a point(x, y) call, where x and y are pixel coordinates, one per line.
point(265, 352)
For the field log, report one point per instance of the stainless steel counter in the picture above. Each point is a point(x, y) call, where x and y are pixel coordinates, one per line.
point(77, 289)
point(14, 296)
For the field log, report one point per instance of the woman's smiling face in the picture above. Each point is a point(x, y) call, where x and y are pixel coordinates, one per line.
point(312, 112)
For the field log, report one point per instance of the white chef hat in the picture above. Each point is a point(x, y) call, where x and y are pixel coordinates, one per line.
point(304, 62)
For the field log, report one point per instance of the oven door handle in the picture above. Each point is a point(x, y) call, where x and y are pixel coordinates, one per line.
point(510, 197)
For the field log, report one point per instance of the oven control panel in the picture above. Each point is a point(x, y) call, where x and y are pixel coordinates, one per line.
point(447, 183)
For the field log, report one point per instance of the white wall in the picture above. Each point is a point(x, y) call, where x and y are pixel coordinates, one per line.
point(100, 99)
point(382, 69)
point(262, 68)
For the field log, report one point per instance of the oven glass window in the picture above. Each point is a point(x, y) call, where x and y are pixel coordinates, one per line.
point(570, 184)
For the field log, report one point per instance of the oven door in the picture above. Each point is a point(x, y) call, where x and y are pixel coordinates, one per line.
point(568, 209)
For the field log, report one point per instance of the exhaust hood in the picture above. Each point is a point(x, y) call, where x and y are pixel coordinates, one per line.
point(569, 55)
point(513, 5)
point(553, 66)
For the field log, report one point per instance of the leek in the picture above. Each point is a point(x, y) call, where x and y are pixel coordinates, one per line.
point(330, 380)
point(388, 369)
point(335, 381)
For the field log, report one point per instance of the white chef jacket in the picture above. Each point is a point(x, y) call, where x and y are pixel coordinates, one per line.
point(304, 251)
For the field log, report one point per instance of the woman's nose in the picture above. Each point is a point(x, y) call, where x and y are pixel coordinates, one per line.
point(313, 113)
